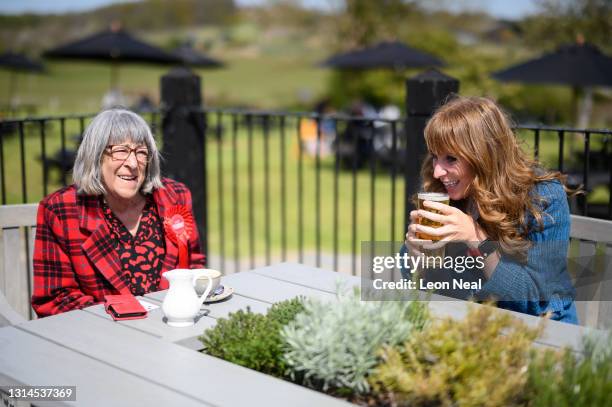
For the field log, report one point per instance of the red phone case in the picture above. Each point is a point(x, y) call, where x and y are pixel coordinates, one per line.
point(123, 307)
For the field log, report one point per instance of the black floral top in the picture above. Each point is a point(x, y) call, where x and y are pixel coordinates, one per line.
point(141, 255)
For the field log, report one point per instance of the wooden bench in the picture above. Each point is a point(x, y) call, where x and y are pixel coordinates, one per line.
point(18, 226)
point(591, 241)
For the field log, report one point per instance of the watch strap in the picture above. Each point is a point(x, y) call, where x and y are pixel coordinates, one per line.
point(487, 247)
point(484, 249)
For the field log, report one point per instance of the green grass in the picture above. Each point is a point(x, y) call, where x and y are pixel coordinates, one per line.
point(222, 190)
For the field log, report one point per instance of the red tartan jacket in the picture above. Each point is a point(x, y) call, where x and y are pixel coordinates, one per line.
point(75, 264)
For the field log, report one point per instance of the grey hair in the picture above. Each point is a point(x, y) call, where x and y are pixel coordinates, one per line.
point(113, 126)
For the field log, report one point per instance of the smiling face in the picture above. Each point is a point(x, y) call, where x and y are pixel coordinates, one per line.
point(124, 168)
point(455, 173)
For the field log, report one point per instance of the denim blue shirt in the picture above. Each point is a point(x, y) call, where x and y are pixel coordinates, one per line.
point(541, 284)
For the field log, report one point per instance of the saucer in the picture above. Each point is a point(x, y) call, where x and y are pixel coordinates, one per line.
point(227, 291)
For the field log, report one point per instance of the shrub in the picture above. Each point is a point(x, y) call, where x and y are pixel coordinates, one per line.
point(332, 346)
point(564, 379)
point(253, 340)
point(479, 361)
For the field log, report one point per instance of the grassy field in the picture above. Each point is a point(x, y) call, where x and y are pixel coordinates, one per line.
point(227, 197)
point(270, 77)
point(263, 77)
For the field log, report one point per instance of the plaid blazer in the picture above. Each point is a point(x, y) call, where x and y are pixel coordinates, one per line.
point(75, 264)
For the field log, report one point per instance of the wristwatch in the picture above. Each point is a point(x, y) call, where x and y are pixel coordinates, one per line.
point(484, 249)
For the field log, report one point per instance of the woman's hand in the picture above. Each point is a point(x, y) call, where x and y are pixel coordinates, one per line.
point(456, 225)
point(414, 244)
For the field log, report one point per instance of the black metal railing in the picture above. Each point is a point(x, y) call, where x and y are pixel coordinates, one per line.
point(301, 188)
point(292, 185)
point(587, 164)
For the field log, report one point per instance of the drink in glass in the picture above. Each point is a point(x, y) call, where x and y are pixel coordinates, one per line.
point(434, 197)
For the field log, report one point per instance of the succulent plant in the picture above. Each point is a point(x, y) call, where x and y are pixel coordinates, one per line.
point(332, 345)
point(252, 340)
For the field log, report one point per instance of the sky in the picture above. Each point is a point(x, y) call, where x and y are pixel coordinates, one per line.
point(499, 8)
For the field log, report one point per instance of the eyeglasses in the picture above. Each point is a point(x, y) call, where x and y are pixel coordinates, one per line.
point(121, 153)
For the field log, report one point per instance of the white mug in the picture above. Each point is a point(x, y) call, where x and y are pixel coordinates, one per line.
point(202, 280)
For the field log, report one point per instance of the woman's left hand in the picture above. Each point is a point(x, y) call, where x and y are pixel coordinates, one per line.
point(457, 225)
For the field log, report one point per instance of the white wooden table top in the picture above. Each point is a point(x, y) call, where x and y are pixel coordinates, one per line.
point(146, 362)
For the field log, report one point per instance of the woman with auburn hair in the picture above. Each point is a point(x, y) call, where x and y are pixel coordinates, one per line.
point(505, 207)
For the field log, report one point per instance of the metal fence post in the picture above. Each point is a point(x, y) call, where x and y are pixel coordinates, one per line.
point(424, 93)
point(184, 134)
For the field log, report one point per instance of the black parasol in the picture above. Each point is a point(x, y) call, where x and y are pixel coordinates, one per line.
point(575, 64)
point(194, 58)
point(19, 62)
point(115, 45)
point(16, 63)
point(393, 54)
point(579, 65)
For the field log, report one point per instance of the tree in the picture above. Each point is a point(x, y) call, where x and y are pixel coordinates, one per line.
point(365, 22)
point(565, 21)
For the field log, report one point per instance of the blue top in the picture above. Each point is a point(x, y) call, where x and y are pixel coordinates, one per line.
point(542, 284)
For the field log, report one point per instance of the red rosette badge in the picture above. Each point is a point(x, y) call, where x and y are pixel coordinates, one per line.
point(178, 225)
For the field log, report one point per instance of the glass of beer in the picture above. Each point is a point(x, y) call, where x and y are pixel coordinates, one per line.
point(435, 197)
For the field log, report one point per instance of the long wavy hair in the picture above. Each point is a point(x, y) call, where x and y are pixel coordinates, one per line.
point(477, 130)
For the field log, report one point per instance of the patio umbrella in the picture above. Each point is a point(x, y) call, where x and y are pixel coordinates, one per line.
point(192, 57)
point(579, 65)
point(115, 45)
point(393, 54)
point(16, 63)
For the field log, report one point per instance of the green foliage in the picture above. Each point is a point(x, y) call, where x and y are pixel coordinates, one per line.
point(564, 379)
point(542, 103)
point(253, 340)
point(377, 87)
point(565, 21)
point(479, 361)
point(365, 22)
point(332, 346)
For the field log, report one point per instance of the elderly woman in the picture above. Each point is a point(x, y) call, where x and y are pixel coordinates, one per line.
point(508, 210)
point(108, 233)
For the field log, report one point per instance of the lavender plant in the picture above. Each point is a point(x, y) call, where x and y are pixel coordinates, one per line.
point(332, 345)
point(562, 378)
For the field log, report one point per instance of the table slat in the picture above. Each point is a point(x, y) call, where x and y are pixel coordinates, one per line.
point(270, 290)
point(307, 276)
point(188, 372)
point(30, 360)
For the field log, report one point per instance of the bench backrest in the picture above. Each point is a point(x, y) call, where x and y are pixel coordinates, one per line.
point(18, 227)
point(591, 250)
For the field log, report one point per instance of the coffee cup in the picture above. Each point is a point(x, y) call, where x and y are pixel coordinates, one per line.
point(202, 282)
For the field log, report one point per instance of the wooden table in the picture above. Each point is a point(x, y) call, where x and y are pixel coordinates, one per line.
point(146, 362)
